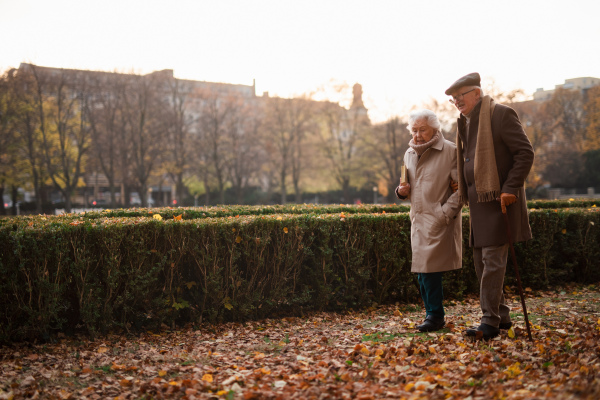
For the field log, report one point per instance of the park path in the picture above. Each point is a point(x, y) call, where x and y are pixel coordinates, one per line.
point(367, 354)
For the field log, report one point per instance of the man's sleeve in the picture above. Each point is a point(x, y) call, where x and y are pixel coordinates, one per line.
point(521, 150)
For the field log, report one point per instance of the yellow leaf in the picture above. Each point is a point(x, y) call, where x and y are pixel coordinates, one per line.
point(102, 350)
point(432, 350)
point(593, 206)
point(409, 387)
point(157, 216)
point(285, 230)
point(178, 218)
point(584, 369)
point(541, 348)
point(366, 351)
point(279, 218)
point(208, 378)
point(162, 373)
point(190, 284)
point(513, 370)
point(222, 392)
point(238, 239)
point(511, 333)
point(571, 199)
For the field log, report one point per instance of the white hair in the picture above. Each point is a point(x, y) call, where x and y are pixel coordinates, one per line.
point(432, 119)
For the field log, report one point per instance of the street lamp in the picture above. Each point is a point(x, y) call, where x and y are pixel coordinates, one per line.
point(374, 194)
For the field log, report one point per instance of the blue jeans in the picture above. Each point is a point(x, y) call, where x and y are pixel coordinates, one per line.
point(432, 293)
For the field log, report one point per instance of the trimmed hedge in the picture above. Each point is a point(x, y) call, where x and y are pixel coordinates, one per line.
point(296, 209)
point(63, 274)
point(233, 211)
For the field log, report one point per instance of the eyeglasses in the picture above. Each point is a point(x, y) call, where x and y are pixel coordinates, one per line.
point(454, 100)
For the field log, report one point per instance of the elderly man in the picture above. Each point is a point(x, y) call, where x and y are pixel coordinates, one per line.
point(494, 157)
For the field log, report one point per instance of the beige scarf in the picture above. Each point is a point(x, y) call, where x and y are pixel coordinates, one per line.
point(487, 183)
point(420, 148)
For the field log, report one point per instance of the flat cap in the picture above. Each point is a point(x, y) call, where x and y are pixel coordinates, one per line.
point(472, 79)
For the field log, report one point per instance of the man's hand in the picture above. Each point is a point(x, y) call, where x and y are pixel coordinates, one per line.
point(404, 189)
point(453, 186)
point(506, 199)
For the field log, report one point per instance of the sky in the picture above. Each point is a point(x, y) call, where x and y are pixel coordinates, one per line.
point(403, 53)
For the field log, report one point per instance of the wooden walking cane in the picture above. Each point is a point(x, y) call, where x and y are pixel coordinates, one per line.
point(514, 258)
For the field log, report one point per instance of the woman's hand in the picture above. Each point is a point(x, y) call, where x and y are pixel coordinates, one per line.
point(453, 186)
point(404, 189)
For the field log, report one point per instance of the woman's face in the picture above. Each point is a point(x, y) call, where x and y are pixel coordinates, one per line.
point(421, 132)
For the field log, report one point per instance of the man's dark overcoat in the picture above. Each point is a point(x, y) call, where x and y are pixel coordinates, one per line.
point(514, 158)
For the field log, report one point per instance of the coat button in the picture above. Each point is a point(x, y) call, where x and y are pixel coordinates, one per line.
point(467, 159)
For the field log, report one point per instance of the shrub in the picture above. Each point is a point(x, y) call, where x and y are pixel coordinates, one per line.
point(98, 274)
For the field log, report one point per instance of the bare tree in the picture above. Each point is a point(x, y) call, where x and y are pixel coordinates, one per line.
point(28, 151)
point(385, 147)
point(245, 150)
point(340, 131)
point(178, 144)
point(60, 100)
point(104, 112)
point(145, 128)
point(8, 116)
point(214, 143)
point(287, 123)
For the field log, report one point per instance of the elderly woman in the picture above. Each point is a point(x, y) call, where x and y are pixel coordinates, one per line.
point(436, 223)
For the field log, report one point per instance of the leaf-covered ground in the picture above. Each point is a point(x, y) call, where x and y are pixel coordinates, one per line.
point(355, 355)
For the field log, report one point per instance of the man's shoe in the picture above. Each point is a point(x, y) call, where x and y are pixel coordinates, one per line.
point(505, 325)
point(486, 332)
point(431, 324)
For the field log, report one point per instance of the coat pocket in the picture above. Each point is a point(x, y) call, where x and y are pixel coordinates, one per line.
point(432, 229)
point(442, 218)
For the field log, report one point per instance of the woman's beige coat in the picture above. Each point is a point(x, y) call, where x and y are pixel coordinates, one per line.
point(435, 212)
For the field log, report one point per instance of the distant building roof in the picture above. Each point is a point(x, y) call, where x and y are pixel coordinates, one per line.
point(583, 84)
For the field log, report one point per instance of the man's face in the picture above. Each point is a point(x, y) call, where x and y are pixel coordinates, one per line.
point(465, 99)
point(421, 132)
